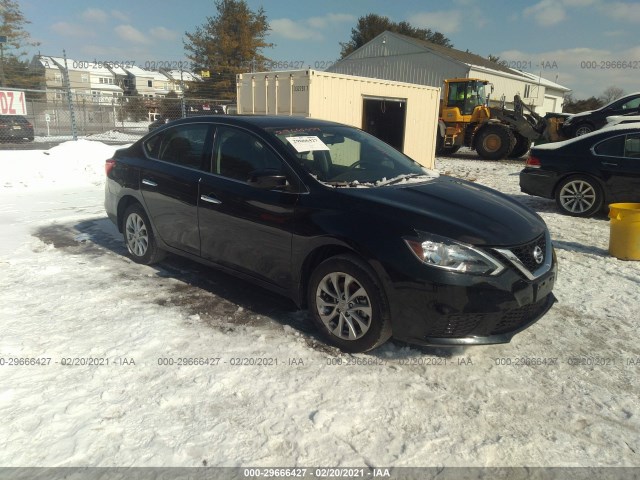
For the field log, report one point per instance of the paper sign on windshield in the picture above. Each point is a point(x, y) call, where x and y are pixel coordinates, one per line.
point(307, 144)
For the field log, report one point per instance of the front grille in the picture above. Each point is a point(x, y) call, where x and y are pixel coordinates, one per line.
point(516, 318)
point(459, 325)
point(525, 253)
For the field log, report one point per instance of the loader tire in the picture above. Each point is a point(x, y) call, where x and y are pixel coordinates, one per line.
point(522, 146)
point(494, 142)
point(442, 150)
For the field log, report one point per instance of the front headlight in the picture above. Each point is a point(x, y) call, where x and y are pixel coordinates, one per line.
point(447, 254)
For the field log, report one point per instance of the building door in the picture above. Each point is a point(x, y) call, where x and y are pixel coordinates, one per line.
point(385, 118)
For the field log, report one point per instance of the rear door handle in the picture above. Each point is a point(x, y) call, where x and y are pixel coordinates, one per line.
point(149, 183)
point(208, 199)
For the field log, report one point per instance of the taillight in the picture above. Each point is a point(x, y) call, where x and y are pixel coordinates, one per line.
point(533, 162)
point(108, 165)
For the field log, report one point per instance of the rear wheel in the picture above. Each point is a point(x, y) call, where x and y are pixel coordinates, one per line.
point(348, 305)
point(494, 142)
point(139, 238)
point(579, 196)
point(522, 146)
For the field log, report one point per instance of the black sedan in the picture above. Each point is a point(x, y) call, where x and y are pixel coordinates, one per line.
point(15, 128)
point(371, 242)
point(587, 122)
point(587, 173)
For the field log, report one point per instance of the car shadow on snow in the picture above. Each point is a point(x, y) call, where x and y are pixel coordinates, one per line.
point(220, 300)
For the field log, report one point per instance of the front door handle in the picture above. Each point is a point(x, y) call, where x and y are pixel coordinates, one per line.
point(149, 182)
point(208, 199)
point(610, 164)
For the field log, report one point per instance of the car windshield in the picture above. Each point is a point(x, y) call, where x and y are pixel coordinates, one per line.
point(348, 157)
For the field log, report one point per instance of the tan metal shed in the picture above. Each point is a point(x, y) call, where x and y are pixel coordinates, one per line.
point(404, 115)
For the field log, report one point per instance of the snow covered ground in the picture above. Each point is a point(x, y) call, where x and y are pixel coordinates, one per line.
point(563, 393)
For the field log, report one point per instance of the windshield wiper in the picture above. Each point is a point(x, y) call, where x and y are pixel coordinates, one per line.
point(401, 178)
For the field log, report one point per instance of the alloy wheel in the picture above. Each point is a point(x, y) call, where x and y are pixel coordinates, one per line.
point(577, 196)
point(137, 235)
point(344, 306)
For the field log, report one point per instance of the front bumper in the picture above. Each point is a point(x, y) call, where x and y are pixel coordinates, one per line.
point(490, 313)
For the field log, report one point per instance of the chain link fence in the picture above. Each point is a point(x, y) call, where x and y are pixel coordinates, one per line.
point(95, 115)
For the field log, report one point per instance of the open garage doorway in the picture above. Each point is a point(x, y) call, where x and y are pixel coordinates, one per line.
point(385, 118)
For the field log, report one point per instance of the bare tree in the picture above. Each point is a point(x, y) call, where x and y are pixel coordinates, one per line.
point(610, 94)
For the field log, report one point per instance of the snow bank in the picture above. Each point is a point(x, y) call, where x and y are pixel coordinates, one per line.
point(66, 165)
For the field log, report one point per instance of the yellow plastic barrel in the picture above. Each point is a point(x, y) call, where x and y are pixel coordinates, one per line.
point(624, 233)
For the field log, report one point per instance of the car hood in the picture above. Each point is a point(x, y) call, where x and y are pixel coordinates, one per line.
point(578, 115)
point(453, 208)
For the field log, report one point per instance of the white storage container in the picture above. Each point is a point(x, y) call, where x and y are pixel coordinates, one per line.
point(402, 114)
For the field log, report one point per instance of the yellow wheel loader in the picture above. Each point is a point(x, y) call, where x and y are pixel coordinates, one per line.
point(495, 133)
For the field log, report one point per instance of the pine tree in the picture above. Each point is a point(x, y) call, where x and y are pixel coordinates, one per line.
point(227, 44)
point(14, 71)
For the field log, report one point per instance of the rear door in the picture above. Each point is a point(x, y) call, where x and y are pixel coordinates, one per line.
point(169, 182)
point(243, 227)
point(619, 159)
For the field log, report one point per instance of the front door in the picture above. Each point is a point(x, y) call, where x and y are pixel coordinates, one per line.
point(242, 226)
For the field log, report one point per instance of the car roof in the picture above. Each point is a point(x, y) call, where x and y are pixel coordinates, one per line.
point(624, 97)
point(598, 134)
point(262, 121)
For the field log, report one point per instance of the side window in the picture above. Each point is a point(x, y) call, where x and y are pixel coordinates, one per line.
point(632, 146)
point(238, 154)
point(183, 145)
point(631, 104)
point(614, 147)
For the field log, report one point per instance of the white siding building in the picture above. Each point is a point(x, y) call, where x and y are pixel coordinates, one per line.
point(392, 56)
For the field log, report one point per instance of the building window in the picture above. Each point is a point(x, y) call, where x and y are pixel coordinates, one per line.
point(149, 83)
point(85, 77)
point(527, 91)
point(57, 77)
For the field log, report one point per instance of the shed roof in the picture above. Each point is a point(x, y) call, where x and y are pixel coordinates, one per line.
point(464, 57)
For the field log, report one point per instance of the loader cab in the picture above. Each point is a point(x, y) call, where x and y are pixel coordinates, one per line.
point(462, 97)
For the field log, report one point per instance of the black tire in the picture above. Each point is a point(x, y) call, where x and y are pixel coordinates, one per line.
point(450, 150)
point(138, 236)
point(494, 142)
point(442, 150)
point(353, 326)
point(579, 196)
point(522, 146)
point(582, 129)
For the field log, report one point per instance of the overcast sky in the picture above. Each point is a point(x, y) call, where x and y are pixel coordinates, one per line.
point(585, 45)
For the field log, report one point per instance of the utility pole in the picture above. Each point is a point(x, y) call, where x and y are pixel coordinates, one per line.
point(184, 109)
point(65, 74)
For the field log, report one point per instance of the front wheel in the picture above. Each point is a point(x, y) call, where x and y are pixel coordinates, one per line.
point(583, 129)
point(494, 142)
point(442, 150)
point(579, 196)
point(139, 238)
point(348, 305)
